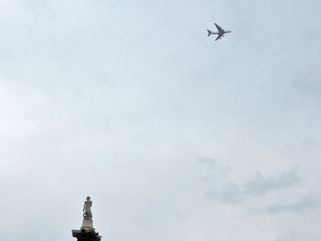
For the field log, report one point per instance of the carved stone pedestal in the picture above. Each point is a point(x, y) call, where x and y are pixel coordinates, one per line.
point(86, 235)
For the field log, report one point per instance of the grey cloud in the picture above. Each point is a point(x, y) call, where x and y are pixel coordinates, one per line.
point(261, 185)
point(212, 171)
point(299, 206)
point(230, 194)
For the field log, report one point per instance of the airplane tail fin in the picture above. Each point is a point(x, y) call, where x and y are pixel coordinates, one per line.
point(209, 32)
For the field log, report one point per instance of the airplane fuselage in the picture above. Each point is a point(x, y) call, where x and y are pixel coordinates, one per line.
point(218, 33)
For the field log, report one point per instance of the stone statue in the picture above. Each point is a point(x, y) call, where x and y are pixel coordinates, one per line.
point(87, 209)
point(87, 231)
point(87, 222)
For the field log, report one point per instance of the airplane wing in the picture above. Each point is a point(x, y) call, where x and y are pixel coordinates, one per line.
point(219, 28)
point(218, 37)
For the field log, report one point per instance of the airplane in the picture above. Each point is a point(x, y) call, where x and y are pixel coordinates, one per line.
point(220, 32)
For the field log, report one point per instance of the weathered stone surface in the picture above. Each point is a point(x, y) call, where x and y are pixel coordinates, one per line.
point(87, 224)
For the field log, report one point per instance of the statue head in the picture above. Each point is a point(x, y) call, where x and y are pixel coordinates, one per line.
point(88, 198)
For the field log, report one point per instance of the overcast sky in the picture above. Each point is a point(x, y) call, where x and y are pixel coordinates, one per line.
point(175, 137)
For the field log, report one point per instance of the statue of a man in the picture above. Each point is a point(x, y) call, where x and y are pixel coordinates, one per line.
point(87, 209)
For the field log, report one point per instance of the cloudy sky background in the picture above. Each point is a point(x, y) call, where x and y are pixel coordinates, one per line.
point(176, 137)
